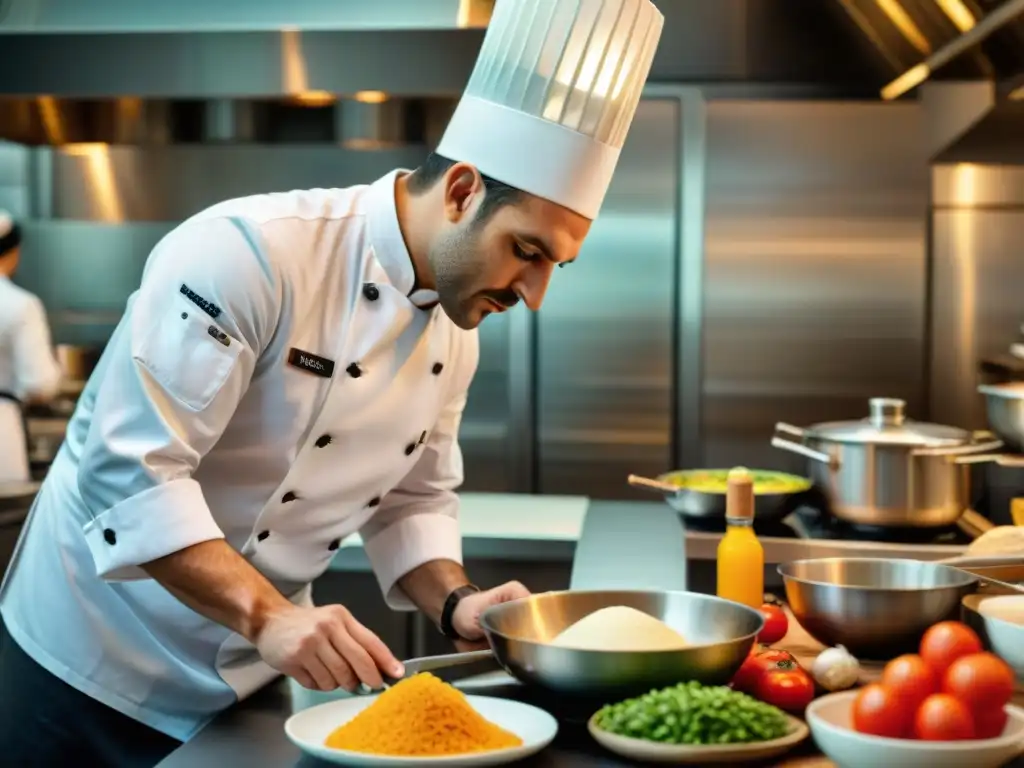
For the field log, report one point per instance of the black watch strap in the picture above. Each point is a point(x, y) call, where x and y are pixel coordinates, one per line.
point(456, 595)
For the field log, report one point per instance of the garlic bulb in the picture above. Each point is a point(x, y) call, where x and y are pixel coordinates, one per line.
point(836, 669)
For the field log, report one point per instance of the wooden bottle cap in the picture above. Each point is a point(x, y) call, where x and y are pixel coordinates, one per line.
point(739, 495)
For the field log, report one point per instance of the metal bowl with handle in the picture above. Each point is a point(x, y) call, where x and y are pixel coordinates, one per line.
point(699, 494)
point(887, 470)
point(878, 608)
point(720, 634)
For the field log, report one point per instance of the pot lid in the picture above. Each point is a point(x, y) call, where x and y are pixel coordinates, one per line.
point(887, 425)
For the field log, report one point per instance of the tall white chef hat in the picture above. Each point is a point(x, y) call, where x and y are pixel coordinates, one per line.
point(553, 94)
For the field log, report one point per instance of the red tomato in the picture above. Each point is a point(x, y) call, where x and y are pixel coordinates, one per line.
point(787, 687)
point(878, 711)
point(776, 625)
point(946, 642)
point(990, 723)
point(774, 656)
point(982, 681)
point(746, 676)
point(757, 664)
point(943, 718)
point(911, 679)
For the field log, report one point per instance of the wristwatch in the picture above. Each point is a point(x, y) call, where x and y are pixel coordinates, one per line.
point(454, 597)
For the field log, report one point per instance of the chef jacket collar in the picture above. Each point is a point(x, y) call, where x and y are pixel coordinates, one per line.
point(388, 243)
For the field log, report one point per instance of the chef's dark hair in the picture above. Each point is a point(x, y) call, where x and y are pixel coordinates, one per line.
point(496, 193)
point(10, 236)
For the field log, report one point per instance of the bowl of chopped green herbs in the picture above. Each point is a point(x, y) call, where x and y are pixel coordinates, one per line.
point(696, 724)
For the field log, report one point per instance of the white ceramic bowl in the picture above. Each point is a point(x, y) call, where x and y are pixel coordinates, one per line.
point(1006, 638)
point(831, 722)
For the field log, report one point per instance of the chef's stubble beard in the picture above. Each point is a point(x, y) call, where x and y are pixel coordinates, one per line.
point(456, 265)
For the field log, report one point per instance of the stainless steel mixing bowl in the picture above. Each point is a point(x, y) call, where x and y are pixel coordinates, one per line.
point(878, 608)
point(720, 634)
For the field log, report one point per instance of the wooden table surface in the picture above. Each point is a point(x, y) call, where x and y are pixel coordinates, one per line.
point(806, 649)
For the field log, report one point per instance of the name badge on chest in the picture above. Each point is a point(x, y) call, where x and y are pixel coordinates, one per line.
point(307, 361)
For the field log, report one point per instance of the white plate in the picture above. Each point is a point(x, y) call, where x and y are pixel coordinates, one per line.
point(655, 752)
point(831, 723)
point(308, 730)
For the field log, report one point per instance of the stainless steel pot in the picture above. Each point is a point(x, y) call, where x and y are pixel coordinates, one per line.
point(887, 470)
point(1004, 404)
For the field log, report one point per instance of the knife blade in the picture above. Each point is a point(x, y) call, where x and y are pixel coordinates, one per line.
point(450, 668)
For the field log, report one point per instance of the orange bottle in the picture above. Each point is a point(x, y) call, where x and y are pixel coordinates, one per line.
point(740, 554)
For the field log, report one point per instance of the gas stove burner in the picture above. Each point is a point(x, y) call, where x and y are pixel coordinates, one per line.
point(840, 529)
point(778, 529)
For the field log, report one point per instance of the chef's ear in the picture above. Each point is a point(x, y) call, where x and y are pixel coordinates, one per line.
point(463, 186)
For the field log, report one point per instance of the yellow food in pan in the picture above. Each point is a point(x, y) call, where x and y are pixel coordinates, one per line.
point(715, 481)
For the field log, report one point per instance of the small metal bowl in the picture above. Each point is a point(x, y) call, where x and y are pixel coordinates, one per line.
point(720, 632)
point(878, 608)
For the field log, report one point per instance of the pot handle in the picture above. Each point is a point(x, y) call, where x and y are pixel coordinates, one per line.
point(789, 429)
point(803, 450)
point(1003, 460)
point(652, 485)
point(973, 450)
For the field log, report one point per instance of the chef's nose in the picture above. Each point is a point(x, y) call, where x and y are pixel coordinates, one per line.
point(533, 284)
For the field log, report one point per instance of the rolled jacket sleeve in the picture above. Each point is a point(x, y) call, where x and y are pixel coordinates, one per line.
point(418, 521)
point(168, 384)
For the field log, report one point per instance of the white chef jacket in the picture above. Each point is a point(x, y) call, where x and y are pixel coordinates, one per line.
point(214, 413)
point(27, 367)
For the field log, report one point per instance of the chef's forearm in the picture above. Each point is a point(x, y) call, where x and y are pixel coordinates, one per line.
point(212, 579)
point(429, 585)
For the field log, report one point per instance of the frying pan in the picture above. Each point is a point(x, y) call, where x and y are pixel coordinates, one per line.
point(705, 505)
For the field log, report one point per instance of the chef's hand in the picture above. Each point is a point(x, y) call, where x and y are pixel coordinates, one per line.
point(325, 648)
point(466, 619)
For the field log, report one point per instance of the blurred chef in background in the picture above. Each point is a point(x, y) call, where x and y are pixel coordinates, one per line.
point(292, 371)
point(29, 372)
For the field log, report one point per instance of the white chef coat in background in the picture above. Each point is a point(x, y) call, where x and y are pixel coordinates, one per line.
point(27, 368)
point(195, 426)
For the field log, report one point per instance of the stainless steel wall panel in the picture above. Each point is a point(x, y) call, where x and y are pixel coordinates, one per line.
point(969, 185)
point(689, 363)
point(977, 307)
point(815, 272)
point(488, 444)
point(605, 334)
point(14, 188)
point(84, 272)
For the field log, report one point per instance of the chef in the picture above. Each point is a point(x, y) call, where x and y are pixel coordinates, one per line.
point(28, 370)
point(292, 371)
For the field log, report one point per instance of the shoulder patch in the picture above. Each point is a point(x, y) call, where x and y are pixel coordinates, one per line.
point(207, 306)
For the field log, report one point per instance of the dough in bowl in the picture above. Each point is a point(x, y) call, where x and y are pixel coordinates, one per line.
point(1002, 540)
point(620, 628)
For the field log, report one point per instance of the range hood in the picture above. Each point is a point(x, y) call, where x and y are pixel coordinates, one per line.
point(140, 16)
point(146, 72)
point(942, 39)
point(215, 49)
